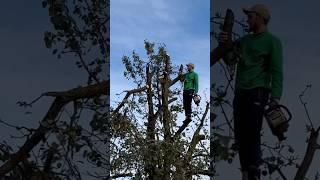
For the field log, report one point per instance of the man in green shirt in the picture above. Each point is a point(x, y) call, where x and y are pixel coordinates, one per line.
point(190, 88)
point(259, 75)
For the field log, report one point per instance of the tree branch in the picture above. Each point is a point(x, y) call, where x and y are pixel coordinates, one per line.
point(312, 147)
point(129, 92)
point(186, 123)
point(121, 175)
point(196, 136)
point(178, 77)
point(203, 172)
point(62, 98)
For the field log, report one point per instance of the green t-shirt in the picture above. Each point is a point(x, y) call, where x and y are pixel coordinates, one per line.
point(191, 81)
point(261, 63)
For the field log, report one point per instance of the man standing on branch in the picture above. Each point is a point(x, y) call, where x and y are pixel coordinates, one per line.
point(259, 75)
point(190, 88)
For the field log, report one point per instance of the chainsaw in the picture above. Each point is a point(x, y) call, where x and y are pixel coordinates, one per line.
point(196, 99)
point(277, 120)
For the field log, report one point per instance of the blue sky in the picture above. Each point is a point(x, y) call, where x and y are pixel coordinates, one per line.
point(183, 26)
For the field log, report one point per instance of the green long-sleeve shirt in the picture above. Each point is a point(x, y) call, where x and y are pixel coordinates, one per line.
point(191, 81)
point(261, 63)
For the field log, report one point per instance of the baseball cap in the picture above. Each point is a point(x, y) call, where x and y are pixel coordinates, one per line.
point(190, 64)
point(260, 9)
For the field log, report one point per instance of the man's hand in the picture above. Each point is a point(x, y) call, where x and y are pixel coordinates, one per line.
point(277, 100)
point(181, 77)
point(225, 39)
point(225, 43)
point(274, 101)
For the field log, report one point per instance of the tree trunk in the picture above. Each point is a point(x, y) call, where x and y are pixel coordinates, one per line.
point(150, 163)
point(166, 119)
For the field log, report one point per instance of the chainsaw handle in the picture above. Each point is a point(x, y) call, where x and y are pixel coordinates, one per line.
point(283, 107)
point(287, 110)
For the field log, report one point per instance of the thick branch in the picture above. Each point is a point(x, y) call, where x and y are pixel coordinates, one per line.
point(82, 92)
point(121, 175)
point(151, 124)
point(166, 115)
point(129, 92)
point(62, 98)
point(203, 172)
point(196, 136)
point(312, 147)
point(186, 123)
point(151, 119)
point(178, 77)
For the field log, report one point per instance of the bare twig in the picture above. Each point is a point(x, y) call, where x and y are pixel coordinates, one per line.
point(305, 104)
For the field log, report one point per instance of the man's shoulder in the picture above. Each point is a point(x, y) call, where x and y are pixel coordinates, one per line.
point(243, 39)
point(274, 38)
point(267, 34)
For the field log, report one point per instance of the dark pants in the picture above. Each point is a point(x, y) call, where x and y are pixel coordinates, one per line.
point(187, 101)
point(248, 115)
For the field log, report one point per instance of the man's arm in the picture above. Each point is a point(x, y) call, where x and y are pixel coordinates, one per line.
point(216, 54)
point(225, 45)
point(276, 69)
point(196, 83)
point(182, 77)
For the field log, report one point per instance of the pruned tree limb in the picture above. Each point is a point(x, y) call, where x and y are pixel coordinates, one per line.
point(129, 92)
point(121, 175)
point(203, 172)
point(151, 124)
point(196, 136)
point(180, 75)
point(62, 98)
point(186, 123)
point(307, 160)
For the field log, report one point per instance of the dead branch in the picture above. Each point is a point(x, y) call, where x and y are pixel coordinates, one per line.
point(307, 160)
point(186, 123)
point(203, 172)
point(121, 175)
point(129, 92)
point(196, 136)
point(312, 143)
point(62, 98)
point(178, 77)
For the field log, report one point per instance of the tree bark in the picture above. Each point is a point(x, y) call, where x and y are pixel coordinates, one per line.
point(166, 118)
point(149, 157)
